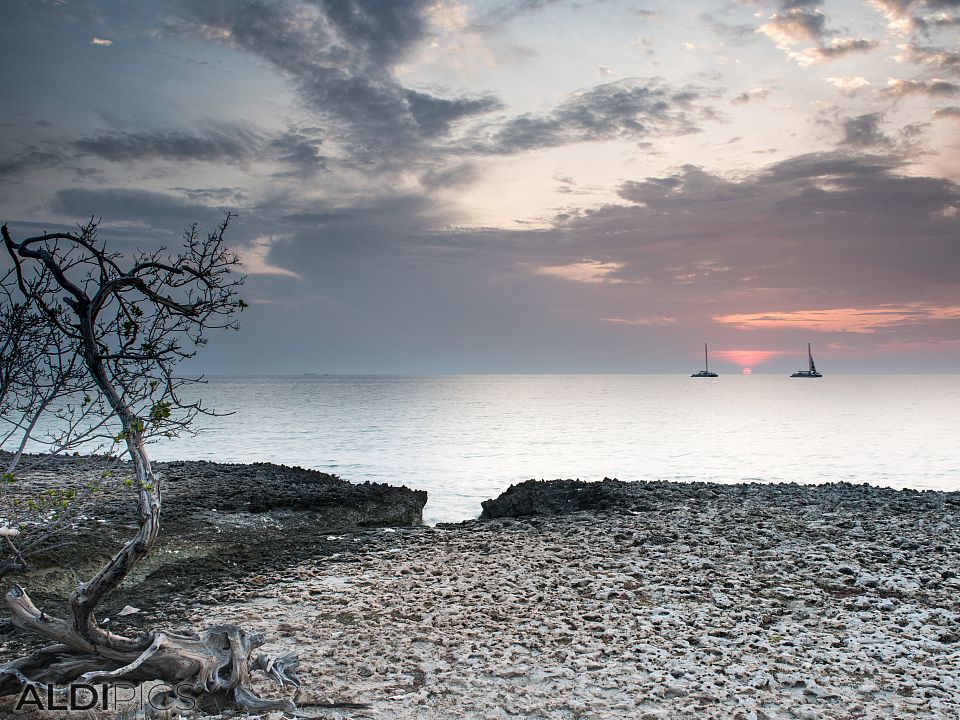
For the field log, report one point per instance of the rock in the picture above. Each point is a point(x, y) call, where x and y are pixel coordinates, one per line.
point(218, 522)
point(558, 497)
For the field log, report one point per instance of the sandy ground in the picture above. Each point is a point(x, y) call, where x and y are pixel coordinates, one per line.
point(744, 602)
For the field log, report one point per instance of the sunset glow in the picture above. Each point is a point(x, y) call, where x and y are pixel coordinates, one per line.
point(746, 358)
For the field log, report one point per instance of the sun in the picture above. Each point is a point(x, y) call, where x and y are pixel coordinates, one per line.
point(747, 371)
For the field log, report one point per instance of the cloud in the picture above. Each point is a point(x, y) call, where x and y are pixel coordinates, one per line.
point(254, 259)
point(839, 230)
point(946, 61)
point(907, 16)
point(863, 131)
point(224, 141)
point(339, 56)
point(161, 211)
point(230, 143)
point(101, 42)
point(833, 50)
point(629, 108)
point(746, 97)
point(795, 23)
point(300, 149)
point(848, 85)
point(513, 9)
point(866, 320)
point(802, 21)
point(834, 226)
point(230, 196)
point(30, 159)
point(947, 113)
point(585, 271)
point(731, 34)
point(661, 321)
point(931, 88)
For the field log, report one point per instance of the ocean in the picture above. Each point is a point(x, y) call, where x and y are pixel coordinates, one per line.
point(466, 438)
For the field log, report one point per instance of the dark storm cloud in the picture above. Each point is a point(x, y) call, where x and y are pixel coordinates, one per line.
point(161, 211)
point(864, 131)
point(300, 149)
point(434, 115)
point(28, 160)
point(628, 108)
point(221, 142)
point(340, 57)
point(228, 142)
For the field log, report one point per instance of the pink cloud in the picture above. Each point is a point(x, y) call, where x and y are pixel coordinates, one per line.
point(855, 320)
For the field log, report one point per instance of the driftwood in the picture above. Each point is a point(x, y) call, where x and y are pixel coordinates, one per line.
point(217, 662)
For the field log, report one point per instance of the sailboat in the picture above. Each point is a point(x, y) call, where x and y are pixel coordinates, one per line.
point(706, 366)
point(812, 372)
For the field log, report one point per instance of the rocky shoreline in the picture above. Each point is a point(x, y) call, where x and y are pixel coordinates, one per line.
point(220, 524)
point(610, 600)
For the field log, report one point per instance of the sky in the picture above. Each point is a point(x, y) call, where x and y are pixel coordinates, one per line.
point(445, 186)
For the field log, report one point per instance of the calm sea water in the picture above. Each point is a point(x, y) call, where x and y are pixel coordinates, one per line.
point(467, 438)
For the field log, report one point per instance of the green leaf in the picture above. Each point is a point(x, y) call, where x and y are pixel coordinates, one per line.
point(160, 411)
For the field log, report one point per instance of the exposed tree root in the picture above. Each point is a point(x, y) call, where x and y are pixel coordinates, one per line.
point(216, 663)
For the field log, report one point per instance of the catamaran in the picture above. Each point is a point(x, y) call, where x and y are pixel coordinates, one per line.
point(706, 366)
point(812, 372)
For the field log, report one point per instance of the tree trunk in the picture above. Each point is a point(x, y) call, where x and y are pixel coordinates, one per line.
point(217, 662)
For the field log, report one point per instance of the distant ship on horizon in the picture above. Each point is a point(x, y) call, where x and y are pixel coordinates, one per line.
point(812, 372)
point(706, 366)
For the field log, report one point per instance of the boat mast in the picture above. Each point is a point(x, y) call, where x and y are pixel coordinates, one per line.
point(813, 368)
point(706, 363)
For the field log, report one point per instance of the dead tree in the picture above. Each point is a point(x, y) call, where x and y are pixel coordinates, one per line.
point(129, 324)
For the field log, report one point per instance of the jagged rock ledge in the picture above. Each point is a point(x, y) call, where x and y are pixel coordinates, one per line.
point(560, 497)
